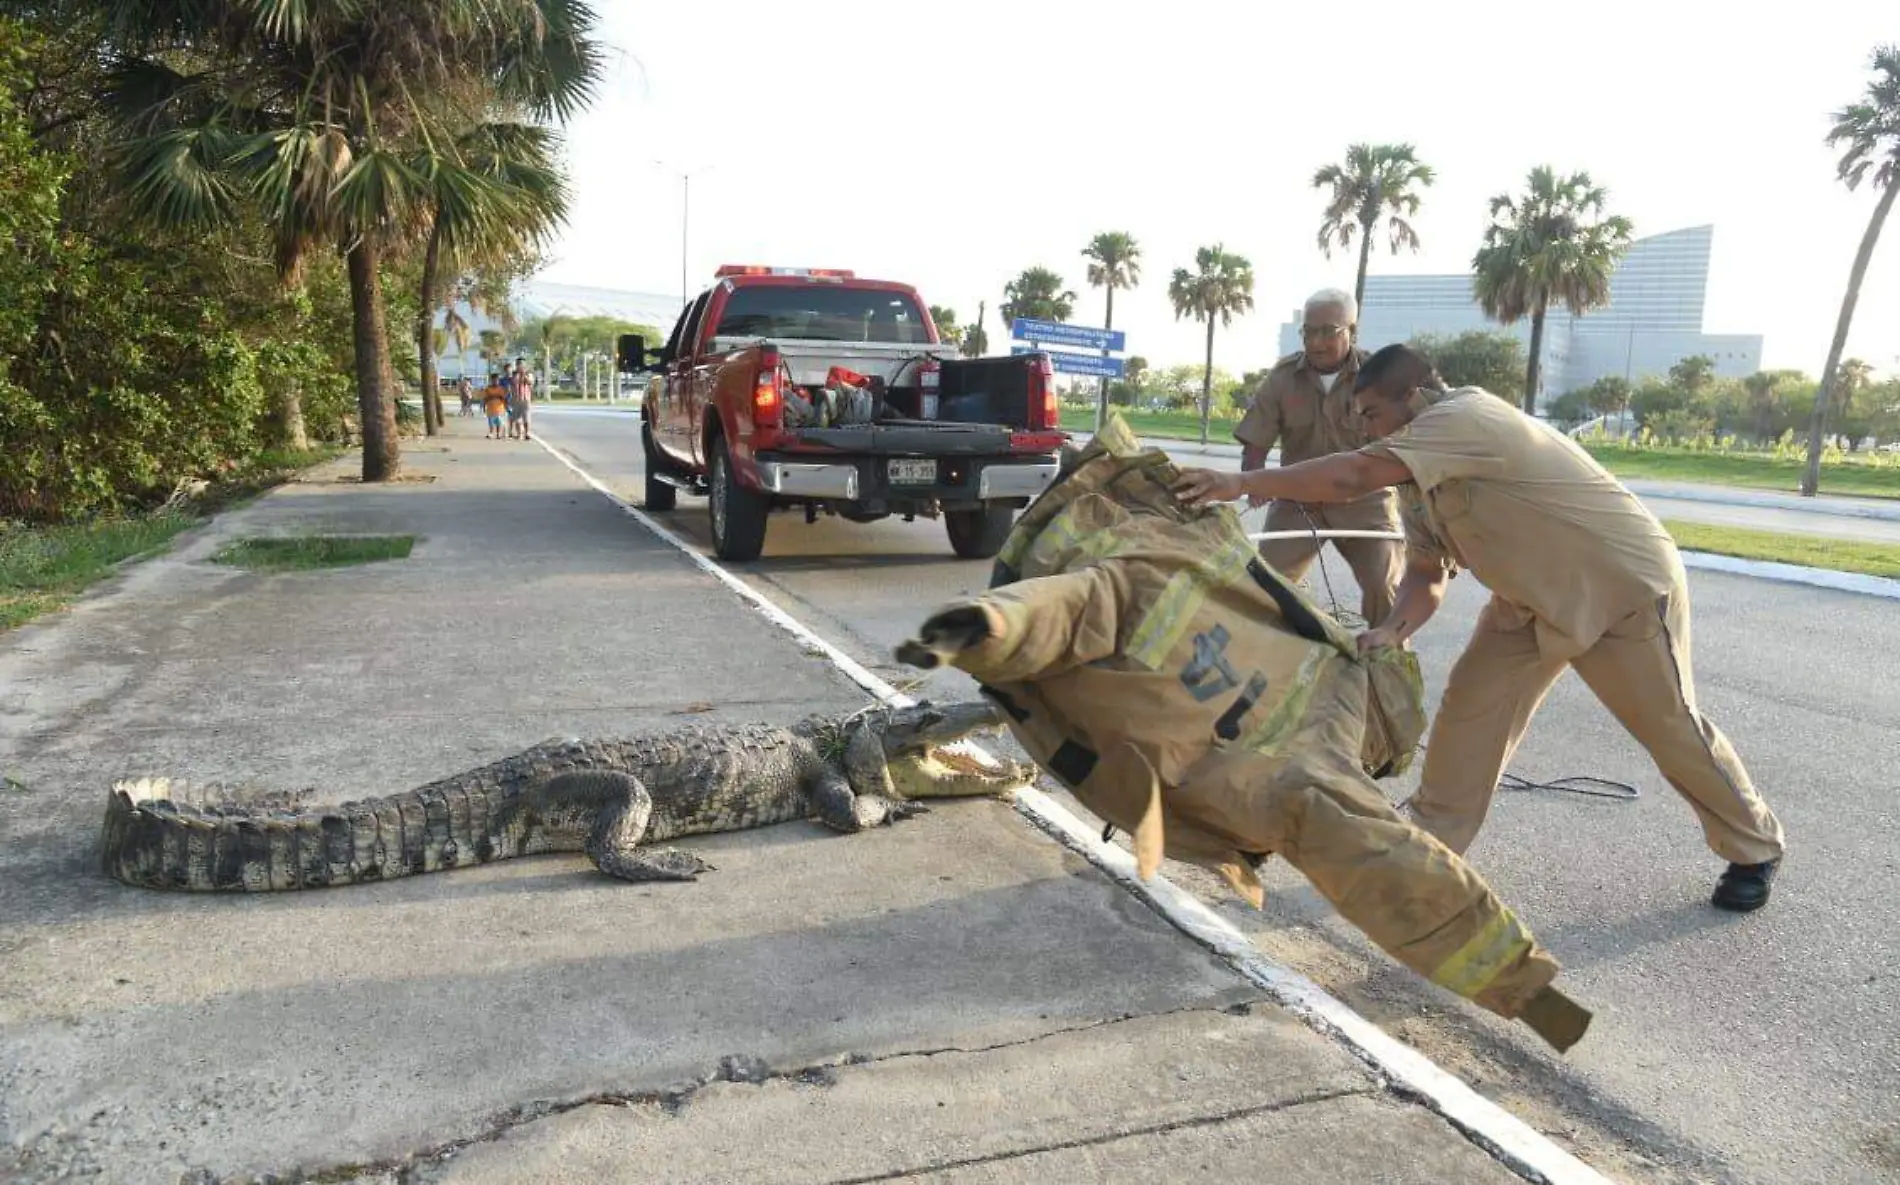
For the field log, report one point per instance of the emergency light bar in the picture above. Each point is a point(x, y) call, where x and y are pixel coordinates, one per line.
point(743, 269)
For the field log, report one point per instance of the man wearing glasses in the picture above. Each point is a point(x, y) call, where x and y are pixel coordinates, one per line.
point(1305, 405)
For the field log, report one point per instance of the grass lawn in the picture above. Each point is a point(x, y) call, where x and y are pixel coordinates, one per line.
point(1858, 478)
point(304, 552)
point(1173, 425)
point(44, 568)
point(1813, 551)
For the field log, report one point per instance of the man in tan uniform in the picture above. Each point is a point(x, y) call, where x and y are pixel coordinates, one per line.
point(1581, 575)
point(1305, 405)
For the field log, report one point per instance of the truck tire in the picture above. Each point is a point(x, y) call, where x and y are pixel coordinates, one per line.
point(738, 514)
point(978, 534)
point(660, 496)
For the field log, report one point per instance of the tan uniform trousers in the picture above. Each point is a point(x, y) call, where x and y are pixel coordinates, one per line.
point(1640, 670)
point(1377, 564)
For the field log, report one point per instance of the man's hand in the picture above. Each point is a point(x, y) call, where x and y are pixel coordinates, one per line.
point(1377, 639)
point(1198, 486)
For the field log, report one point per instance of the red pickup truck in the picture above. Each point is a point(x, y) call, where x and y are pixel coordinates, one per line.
point(786, 388)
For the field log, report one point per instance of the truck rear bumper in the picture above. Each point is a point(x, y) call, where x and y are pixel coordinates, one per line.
point(1015, 481)
point(798, 479)
point(950, 479)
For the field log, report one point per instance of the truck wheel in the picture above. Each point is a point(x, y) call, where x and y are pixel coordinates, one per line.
point(738, 514)
point(660, 496)
point(978, 534)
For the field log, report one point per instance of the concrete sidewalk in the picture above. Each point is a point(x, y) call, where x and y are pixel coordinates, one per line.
point(956, 998)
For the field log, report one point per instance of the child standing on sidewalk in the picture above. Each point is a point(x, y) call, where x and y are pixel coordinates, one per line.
point(494, 402)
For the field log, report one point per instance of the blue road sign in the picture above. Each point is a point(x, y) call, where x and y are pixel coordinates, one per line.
point(1051, 333)
point(1104, 368)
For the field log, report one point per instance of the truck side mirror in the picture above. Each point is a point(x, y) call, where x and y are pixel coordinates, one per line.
point(632, 351)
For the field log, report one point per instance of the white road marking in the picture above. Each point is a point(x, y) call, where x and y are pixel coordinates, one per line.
point(1515, 1143)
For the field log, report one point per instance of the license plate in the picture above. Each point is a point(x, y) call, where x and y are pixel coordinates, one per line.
point(914, 472)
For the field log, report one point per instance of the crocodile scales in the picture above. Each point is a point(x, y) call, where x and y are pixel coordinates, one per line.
point(616, 800)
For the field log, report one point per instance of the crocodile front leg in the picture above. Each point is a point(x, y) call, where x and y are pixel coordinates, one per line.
point(613, 843)
point(842, 808)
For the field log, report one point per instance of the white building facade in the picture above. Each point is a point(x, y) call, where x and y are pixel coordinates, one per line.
point(1653, 320)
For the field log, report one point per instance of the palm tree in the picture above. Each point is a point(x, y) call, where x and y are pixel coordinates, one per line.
point(1871, 131)
point(340, 122)
point(1114, 262)
point(1221, 286)
point(976, 339)
point(1760, 388)
point(1376, 180)
point(1037, 293)
point(1550, 245)
point(945, 319)
point(525, 200)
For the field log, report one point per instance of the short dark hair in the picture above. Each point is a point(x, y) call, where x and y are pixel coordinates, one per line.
point(1398, 363)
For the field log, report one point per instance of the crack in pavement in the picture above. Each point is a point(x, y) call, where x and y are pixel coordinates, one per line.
point(737, 1068)
point(1152, 1129)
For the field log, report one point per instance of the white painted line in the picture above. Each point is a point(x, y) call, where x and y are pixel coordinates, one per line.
point(1515, 1143)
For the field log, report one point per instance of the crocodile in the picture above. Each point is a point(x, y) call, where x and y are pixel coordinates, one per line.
point(618, 800)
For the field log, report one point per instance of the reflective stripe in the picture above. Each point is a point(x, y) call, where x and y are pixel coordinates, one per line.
point(1160, 629)
point(1265, 737)
point(1501, 942)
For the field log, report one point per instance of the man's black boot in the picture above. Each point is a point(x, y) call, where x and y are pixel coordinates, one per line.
point(1745, 886)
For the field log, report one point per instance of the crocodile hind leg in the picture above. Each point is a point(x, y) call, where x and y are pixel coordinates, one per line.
point(613, 843)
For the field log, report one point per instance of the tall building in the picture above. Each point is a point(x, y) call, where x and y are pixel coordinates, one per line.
point(1653, 320)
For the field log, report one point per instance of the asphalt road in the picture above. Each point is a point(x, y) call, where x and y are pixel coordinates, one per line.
point(1756, 1049)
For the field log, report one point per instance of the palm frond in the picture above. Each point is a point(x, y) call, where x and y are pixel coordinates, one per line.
point(178, 178)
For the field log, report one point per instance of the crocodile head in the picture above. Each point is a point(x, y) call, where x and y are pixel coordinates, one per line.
point(921, 766)
point(924, 726)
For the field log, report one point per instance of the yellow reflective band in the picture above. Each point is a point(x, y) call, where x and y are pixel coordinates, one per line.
point(1160, 630)
point(1265, 737)
point(1501, 942)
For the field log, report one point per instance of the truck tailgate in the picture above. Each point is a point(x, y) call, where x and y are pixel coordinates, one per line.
point(921, 438)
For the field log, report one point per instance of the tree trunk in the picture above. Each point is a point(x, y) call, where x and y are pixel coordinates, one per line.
point(1101, 405)
point(291, 433)
point(1811, 479)
point(425, 333)
point(1365, 257)
point(1533, 371)
point(375, 401)
point(1207, 380)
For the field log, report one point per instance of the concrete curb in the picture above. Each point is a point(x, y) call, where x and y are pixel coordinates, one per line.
point(1513, 1142)
point(1853, 582)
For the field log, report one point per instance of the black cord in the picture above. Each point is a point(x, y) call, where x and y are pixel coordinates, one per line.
point(1585, 784)
point(1575, 784)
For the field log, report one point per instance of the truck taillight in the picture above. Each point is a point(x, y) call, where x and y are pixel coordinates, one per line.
point(1045, 409)
point(929, 380)
point(768, 401)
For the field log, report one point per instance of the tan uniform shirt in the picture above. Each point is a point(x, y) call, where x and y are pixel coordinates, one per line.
point(1292, 408)
point(1532, 515)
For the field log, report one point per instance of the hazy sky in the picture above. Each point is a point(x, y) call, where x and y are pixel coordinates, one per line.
point(951, 145)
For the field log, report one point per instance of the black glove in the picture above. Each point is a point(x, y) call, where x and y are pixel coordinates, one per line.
point(945, 633)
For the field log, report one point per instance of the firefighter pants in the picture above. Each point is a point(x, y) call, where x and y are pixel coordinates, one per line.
point(1377, 564)
point(1417, 899)
point(1641, 672)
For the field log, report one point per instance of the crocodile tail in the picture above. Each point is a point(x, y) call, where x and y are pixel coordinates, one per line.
point(161, 834)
